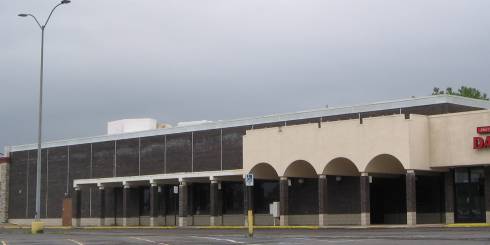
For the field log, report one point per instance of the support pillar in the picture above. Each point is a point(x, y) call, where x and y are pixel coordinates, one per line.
point(283, 201)
point(4, 188)
point(163, 203)
point(411, 197)
point(153, 204)
point(322, 199)
point(214, 205)
point(77, 209)
point(247, 201)
point(126, 204)
point(101, 205)
point(183, 198)
point(449, 196)
point(487, 193)
point(365, 200)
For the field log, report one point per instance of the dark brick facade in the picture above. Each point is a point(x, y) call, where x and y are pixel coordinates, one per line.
point(127, 157)
point(103, 154)
point(179, 153)
point(207, 150)
point(57, 180)
point(18, 185)
point(152, 155)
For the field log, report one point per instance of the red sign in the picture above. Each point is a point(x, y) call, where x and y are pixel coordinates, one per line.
point(481, 143)
point(483, 130)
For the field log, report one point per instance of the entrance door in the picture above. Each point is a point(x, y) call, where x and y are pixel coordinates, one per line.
point(388, 199)
point(67, 212)
point(469, 195)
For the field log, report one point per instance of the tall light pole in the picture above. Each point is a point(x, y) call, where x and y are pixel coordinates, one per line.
point(37, 226)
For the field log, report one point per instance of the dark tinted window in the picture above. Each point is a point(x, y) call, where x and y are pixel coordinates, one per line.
point(232, 197)
point(265, 192)
point(200, 198)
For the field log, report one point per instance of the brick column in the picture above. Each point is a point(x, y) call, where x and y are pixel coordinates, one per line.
point(410, 187)
point(365, 200)
point(283, 201)
point(126, 204)
point(487, 193)
point(77, 207)
point(449, 196)
point(153, 204)
point(322, 199)
point(4, 188)
point(101, 205)
point(183, 198)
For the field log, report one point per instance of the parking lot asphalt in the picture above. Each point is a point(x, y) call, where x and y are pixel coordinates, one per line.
point(368, 236)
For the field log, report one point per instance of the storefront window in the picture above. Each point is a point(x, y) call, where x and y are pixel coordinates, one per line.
point(145, 201)
point(171, 199)
point(303, 196)
point(477, 175)
point(265, 193)
point(461, 176)
point(200, 199)
point(469, 195)
point(232, 197)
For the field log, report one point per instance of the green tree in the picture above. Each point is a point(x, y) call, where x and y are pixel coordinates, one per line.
point(464, 91)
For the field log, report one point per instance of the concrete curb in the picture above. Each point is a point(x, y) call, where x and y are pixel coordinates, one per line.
point(468, 225)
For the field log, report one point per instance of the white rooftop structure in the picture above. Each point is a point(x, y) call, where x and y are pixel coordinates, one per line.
point(131, 125)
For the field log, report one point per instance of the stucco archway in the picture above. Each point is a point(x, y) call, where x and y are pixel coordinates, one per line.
point(387, 190)
point(385, 164)
point(300, 169)
point(264, 171)
point(341, 166)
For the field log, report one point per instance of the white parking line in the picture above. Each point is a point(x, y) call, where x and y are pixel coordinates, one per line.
point(4, 243)
point(330, 241)
point(74, 241)
point(147, 240)
point(143, 239)
point(218, 239)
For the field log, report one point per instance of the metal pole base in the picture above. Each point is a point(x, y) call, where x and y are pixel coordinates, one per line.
point(37, 227)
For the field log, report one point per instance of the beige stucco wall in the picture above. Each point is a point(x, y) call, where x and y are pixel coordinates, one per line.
point(451, 139)
point(420, 143)
point(349, 139)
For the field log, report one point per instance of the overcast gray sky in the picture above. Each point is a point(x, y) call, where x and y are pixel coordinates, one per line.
point(224, 59)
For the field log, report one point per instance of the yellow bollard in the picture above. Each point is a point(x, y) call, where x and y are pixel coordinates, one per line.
point(250, 223)
point(37, 227)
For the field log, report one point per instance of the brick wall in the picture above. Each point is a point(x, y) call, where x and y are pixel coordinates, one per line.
point(4, 189)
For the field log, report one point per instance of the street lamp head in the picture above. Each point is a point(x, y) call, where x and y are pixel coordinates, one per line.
point(22, 15)
point(65, 1)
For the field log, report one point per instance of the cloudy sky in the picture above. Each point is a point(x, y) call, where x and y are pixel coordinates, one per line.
point(176, 60)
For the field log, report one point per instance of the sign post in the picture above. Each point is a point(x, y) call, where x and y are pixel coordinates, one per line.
point(249, 183)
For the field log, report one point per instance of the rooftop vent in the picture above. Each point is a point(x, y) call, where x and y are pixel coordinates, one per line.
point(133, 125)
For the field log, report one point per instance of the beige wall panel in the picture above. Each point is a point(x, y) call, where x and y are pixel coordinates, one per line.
point(384, 135)
point(357, 142)
point(261, 146)
point(419, 142)
point(451, 138)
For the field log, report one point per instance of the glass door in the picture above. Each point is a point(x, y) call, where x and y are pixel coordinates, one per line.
point(469, 195)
